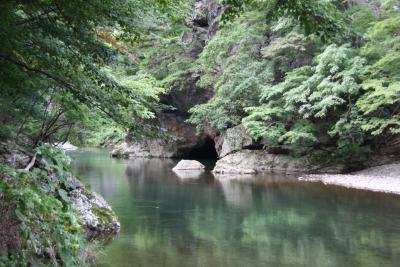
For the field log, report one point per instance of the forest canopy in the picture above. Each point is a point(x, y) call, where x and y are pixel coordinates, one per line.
point(63, 60)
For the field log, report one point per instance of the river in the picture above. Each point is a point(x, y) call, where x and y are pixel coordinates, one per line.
point(267, 220)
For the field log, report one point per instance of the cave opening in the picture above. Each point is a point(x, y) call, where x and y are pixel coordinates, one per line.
point(204, 151)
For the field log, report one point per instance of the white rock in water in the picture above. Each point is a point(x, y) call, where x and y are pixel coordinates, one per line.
point(66, 146)
point(188, 165)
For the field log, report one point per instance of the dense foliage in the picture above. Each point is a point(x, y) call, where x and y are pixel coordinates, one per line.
point(289, 87)
point(322, 18)
point(58, 62)
point(48, 228)
point(311, 102)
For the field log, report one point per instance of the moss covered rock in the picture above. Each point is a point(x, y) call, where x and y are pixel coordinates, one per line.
point(95, 213)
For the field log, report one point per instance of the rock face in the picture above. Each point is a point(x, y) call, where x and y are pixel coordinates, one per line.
point(203, 25)
point(184, 140)
point(96, 215)
point(203, 21)
point(261, 161)
point(234, 139)
point(258, 161)
point(188, 165)
point(146, 149)
point(13, 155)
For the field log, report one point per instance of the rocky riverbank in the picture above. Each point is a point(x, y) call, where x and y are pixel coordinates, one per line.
point(385, 178)
point(95, 214)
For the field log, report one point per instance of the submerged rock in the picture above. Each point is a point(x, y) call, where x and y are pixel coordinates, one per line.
point(188, 165)
point(188, 174)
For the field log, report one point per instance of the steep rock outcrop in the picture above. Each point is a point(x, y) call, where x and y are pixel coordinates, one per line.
point(96, 215)
point(183, 140)
point(234, 139)
point(172, 122)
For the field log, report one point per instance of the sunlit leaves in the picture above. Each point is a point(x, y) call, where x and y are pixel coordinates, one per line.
point(315, 16)
point(52, 50)
point(307, 97)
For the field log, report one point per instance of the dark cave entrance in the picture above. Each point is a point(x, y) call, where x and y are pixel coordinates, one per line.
point(204, 151)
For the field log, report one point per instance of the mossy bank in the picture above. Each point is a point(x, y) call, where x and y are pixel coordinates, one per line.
point(49, 216)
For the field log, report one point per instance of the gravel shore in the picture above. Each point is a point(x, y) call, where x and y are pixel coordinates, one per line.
point(385, 178)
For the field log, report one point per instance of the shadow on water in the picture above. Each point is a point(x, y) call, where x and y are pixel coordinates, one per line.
point(265, 220)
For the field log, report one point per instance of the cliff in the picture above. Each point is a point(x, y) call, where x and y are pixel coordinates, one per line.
point(181, 138)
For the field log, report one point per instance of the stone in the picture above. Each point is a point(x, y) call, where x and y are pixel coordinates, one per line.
point(96, 215)
point(13, 155)
point(258, 161)
point(234, 139)
point(188, 165)
point(183, 140)
point(67, 146)
point(146, 149)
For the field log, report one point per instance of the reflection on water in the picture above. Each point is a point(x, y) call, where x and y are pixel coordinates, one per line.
point(268, 220)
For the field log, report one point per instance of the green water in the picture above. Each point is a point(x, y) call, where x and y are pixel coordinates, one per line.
point(268, 220)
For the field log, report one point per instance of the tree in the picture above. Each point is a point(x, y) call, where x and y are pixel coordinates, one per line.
point(313, 102)
point(52, 49)
point(315, 16)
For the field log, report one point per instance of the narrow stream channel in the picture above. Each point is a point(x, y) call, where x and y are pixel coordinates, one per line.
point(267, 220)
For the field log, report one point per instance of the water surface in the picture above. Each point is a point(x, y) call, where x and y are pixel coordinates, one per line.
point(267, 220)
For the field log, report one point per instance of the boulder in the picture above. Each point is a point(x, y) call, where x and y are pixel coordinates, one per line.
point(96, 215)
point(188, 165)
point(234, 139)
point(247, 161)
point(94, 212)
point(259, 161)
point(145, 149)
point(67, 146)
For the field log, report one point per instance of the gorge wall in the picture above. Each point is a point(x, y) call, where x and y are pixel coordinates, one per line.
point(266, 99)
point(183, 140)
